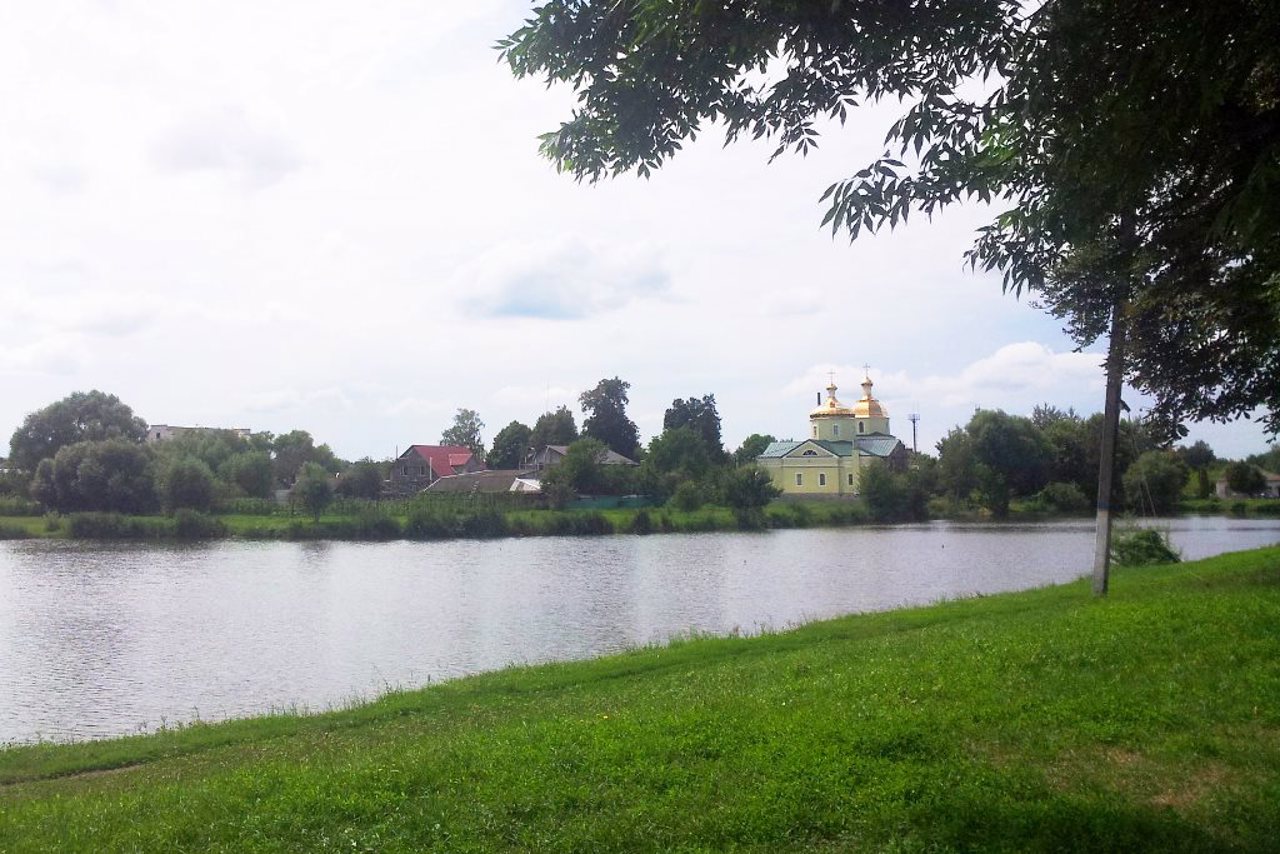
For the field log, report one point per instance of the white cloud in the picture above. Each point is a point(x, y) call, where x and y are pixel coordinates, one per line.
point(292, 400)
point(226, 142)
point(1014, 373)
point(51, 355)
point(566, 279)
point(534, 398)
point(61, 178)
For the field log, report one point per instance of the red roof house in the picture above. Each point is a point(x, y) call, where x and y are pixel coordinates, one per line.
point(421, 465)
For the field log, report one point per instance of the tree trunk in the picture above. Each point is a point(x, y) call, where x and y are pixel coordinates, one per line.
point(1106, 466)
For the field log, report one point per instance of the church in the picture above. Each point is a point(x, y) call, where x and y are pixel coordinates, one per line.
point(842, 440)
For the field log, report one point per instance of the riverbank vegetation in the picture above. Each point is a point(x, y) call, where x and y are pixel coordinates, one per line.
point(81, 468)
point(1043, 720)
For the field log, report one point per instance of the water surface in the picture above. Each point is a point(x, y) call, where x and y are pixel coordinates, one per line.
point(100, 640)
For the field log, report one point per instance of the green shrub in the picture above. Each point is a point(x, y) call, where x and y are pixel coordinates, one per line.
point(95, 525)
point(750, 518)
point(9, 531)
point(1060, 497)
point(430, 523)
point(484, 524)
point(375, 524)
point(1238, 508)
point(687, 497)
point(641, 523)
point(591, 523)
point(52, 521)
point(194, 525)
point(1145, 547)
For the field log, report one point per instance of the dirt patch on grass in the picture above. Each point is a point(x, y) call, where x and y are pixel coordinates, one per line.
point(1191, 790)
point(1179, 785)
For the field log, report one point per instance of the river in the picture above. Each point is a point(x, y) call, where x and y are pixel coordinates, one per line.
point(101, 640)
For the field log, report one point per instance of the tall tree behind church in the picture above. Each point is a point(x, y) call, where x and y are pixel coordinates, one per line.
point(606, 409)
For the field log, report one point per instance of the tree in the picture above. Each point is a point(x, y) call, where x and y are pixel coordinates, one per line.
point(748, 488)
point(250, 472)
point(554, 428)
point(466, 432)
point(892, 496)
point(363, 479)
point(579, 472)
point(751, 448)
point(1198, 458)
point(79, 417)
point(1136, 145)
point(699, 414)
point(1071, 438)
point(1245, 479)
point(313, 490)
point(1153, 483)
point(1268, 461)
point(682, 451)
point(605, 407)
point(1013, 458)
point(957, 465)
point(185, 483)
point(109, 475)
point(290, 452)
point(212, 447)
point(510, 447)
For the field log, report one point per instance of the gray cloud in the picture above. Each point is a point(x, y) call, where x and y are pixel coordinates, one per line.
point(63, 179)
point(228, 143)
point(564, 281)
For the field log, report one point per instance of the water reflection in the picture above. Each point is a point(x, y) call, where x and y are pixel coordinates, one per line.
point(103, 640)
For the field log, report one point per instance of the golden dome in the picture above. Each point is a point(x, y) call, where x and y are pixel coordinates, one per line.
point(867, 406)
point(831, 407)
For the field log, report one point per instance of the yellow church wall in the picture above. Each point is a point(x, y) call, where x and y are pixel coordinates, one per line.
point(835, 471)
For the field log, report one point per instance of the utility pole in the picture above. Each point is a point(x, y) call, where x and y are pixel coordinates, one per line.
point(914, 418)
point(1106, 467)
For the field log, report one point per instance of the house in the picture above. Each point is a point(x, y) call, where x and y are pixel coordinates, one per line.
point(842, 441)
point(421, 465)
point(487, 482)
point(1271, 489)
point(553, 455)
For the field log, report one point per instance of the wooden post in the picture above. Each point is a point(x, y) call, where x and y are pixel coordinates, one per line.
point(1107, 463)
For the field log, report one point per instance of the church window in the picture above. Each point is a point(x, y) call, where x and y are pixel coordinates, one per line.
point(815, 431)
point(799, 478)
point(861, 426)
point(810, 453)
point(835, 429)
point(822, 479)
point(851, 479)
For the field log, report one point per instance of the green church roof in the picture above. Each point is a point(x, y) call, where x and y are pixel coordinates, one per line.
point(874, 445)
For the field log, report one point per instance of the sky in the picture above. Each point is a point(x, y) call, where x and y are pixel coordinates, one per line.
point(333, 217)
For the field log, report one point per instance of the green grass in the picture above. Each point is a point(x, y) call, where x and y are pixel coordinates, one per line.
point(1036, 721)
point(1251, 507)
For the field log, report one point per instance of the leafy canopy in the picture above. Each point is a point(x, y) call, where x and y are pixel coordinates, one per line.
point(81, 416)
point(511, 446)
point(465, 431)
point(1134, 148)
point(605, 407)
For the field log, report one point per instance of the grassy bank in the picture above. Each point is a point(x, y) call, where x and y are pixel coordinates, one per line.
point(1035, 721)
point(430, 521)
point(405, 520)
